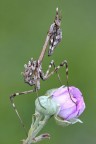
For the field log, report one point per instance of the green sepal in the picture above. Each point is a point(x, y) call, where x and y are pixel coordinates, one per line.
point(64, 123)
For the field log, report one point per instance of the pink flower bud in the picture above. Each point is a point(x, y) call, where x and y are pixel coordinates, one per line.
point(71, 103)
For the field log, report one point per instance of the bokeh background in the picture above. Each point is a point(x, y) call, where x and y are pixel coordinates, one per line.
point(23, 28)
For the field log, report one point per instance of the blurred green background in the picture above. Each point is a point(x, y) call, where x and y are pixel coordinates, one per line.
point(23, 28)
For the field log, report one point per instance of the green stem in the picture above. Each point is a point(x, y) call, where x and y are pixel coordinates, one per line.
point(41, 125)
point(36, 127)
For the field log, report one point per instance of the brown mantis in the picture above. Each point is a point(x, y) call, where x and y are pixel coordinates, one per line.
point(33, 70)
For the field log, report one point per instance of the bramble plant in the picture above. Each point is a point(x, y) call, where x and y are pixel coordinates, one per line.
point(57, 103)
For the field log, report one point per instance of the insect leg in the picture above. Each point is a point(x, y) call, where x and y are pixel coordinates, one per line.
point(52, 63)
point(64, 63)
point(14, 107)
